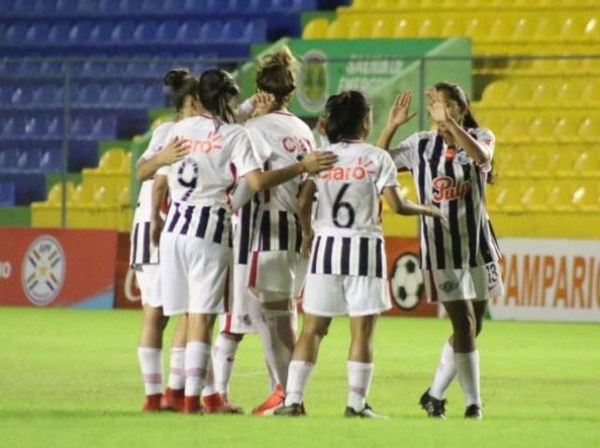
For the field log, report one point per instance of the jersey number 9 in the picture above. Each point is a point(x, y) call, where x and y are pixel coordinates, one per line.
point(187, 176)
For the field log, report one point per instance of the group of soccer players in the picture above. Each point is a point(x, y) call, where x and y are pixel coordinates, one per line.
point(256, 214)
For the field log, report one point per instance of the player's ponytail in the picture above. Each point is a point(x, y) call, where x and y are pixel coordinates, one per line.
point(345, 114)
point(216, 90)
point(276, 75)
point(180, 84)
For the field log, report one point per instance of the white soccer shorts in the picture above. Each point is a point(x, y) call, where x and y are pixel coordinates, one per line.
point(277, 271)
point(148, 280)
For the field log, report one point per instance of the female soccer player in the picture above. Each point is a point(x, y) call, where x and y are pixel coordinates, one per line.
point(195, 246)
point(347, 273)
point(276, 268)
point(459, 257)
point(144, 256)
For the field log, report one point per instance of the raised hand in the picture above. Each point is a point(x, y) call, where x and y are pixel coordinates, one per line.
point(318, 161)
point(262, 102)
point(400, 111)
point(174, 152)
point(437, 106)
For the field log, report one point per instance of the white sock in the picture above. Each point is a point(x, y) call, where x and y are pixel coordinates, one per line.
point(282, 341)
point(177, 368)
point(151, 366)
point(197, 356)
point(444, 374)
point(223, 358)
point(467, 369)
point(360, 375)
point(298, 374)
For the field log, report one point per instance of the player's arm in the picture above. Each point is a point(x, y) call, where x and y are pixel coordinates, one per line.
point(312, 163)
point(174, 151)
point(397, 116)
point(257, 104)
point(160, 186)
point(478, 151)
point(403, 206)
point(305, 203)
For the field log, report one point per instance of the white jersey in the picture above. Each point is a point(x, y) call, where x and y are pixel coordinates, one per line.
point(141, 251)
point(281, 140)
point(347, 222)
point(448, 178)
point(200, 183)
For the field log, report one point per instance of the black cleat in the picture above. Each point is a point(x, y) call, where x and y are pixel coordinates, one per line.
point(435, 408)
point(293, 410)
point(367, 412)
point(474, 412)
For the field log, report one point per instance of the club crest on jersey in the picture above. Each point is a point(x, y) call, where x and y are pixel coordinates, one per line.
point(208, 145)
point(358, 171)
point(447, 189)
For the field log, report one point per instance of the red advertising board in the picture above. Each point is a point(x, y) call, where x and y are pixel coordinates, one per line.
point(407, 289)
point(55, 267)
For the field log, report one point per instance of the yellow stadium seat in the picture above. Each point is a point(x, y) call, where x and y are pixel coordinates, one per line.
point(541, 129)
point(587, 164)
point(111, 160)
point(568, 93)
point(55, 195)
point(338, 29)
point(477, 28)
point(430, 27)
point(588, 130)
point(405, 28)
point(515, 130)
point(567, 129)
point(519, 94)
point(534, 197)
point(563, 163)
point(523, 30)
point(590, 95)
point(543, 93)
point(499, 31)
point(546, 30)
point(561, 195)
point(588, 198)
point(360, 29)
point(315, 29)
point(383, 29)
point(506, 196)
point(453, 27)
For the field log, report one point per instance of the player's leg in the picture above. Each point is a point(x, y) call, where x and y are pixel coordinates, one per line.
point(466, 356)
point(150, 345)
point(173, 396)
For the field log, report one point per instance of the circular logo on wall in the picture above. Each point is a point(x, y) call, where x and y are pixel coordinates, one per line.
point(43, 272)
point(313, 85)
point(407, 281)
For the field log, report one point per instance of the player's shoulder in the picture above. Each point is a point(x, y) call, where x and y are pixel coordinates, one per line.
point(482, 133)
point(233, 131)
point(162, 129)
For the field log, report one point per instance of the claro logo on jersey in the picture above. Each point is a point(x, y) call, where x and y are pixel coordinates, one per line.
point(212, 143)
point(446, 189)
point(354, 172)
point(295, 144)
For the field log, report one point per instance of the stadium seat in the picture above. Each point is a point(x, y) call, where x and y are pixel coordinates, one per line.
point(66, 6)
point(590, 95)
point(112, 160)
point(123, 32)
point(495, 93)
point(430, 27)
point(104, 128)
point(132, 94)
point(81, 127)
point(145, 32)
point(7, 194)
point(405, 28)
point(210, 31)
point(55, 128)
point(588, 130)
point(543, 93)
point(80, 33)
point(37, 34)
point(568, 94)
point(567, 129)
point(22, 96)
point(8, 159)
point(111, 95)
point(587, 165)
point(315, 29)
point(59, 33)
point(89, 94)
point(15, 33)
point(535, 197)
point(48, 95)
point(234, 31)
point(154, 96)
point(50, 162)
point(338, 29)
point(359, 29)
point(541, 129)
point(102, 32)
point(383, 28)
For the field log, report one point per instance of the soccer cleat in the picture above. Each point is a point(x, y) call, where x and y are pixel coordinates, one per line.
point(217, 404)
point(152, 403)
point(172, 400)
point(191, 405)
point(474, 412)
point(275, 401)
point(293, 410)
point(435, 408)
point(367, 412)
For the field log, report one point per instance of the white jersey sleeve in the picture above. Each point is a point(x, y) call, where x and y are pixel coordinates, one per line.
point(405, 154)
point(262, 147)
point(488, 140)
point(157, 140)
point(166, 170)
point(387, 175)
point(245, 156)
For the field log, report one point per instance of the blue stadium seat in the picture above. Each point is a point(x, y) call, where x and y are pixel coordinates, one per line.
point(50, 161)
point(81, 127)
point(102, 32)
point(28, 188)
point(5, 95)
point(89, 94)
point(13, 127)
point(15, 33)
point(29, 66)
point(104, 127)
point(152, 6)
point(111, 95)
point(87, 6)
point(80, 32)
point(145, 32)
point(59, 33)
point(29, 161)
point(211, 31)
point(123, 31)
point(175, 5)
point(168, 31)
point(132, 93)
point(47, 95)
point(154, 96)
point(36, 127)
point(8, 159)
point(136, 68)
point(37, 34)
point(108, 6)
point(233, 30)
point(7, 194)
point(51, 68)
point(23, 6)
point(22, 95)
point(130, 6)
point(190, 31)
point(55, 128)
point(6, 6)
point(66, 6)
point(44, 8)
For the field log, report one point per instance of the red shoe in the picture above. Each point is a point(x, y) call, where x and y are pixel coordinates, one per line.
point(152, 403)
point(191, 405)
point(172, 400)
point(275, 401)
point(217, 404)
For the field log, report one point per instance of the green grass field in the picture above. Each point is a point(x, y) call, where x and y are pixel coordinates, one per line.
point(70, 378)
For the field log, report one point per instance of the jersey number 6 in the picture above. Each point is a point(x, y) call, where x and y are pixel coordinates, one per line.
point(339, 205)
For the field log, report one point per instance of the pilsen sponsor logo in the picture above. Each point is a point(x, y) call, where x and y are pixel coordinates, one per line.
point(446, 189)
point(546, 281)
point(356, 172)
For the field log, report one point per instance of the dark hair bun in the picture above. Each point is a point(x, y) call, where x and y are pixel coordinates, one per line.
point(176, 77)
